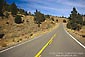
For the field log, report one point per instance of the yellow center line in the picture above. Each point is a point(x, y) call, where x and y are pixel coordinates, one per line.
point(48, 43)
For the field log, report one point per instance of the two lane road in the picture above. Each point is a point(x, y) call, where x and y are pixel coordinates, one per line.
point(62, 46)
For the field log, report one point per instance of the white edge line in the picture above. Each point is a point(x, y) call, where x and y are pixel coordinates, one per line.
point(19, 44)
point(75, 39)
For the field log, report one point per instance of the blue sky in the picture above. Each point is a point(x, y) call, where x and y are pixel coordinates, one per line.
point(51, 7)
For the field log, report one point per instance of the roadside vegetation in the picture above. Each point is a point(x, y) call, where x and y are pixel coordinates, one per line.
point(75, 20)
point(76, 25)
point(39, 17)
point(18, 19)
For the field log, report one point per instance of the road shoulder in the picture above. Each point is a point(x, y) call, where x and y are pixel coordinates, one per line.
point(80, 40)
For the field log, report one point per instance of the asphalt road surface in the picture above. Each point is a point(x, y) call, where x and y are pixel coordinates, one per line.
point(62, 46)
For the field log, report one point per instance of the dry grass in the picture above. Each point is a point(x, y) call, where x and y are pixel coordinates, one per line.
point(15, 33)
point(78, 34)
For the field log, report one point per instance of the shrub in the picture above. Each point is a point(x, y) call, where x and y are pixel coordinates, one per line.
point(20, 39)
point(83, 35)
point(52, 19)
point(1, 35)
point(64, 21)
point(47, 16)
point(73, 26)
point(18, 19)
point(57, 20)
point(7, 15)
point(4, 44)
point(7, 22)
point(31, 34)
point(0, 27)
point(68, 25)
point(83, 22)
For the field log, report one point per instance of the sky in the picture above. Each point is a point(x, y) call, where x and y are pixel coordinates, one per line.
point(51, 7)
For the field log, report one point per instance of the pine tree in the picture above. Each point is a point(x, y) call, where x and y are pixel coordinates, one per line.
point(1, 7)
point(73, 15)
point(47, 16)
point(5, 6)
point(29, 13)
point(14, 9)
point(22, 11)
point(79, 19)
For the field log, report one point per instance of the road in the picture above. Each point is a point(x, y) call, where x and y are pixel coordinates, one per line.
point(62, 46)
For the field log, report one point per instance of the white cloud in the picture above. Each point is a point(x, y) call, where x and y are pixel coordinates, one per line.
point(72, 3)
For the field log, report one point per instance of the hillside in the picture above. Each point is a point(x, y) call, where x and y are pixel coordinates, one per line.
point(14, 33)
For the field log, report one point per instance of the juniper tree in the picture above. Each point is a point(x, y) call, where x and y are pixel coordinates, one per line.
point(39, 17)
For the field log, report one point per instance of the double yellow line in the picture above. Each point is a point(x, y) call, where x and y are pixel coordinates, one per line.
point(48, 43)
